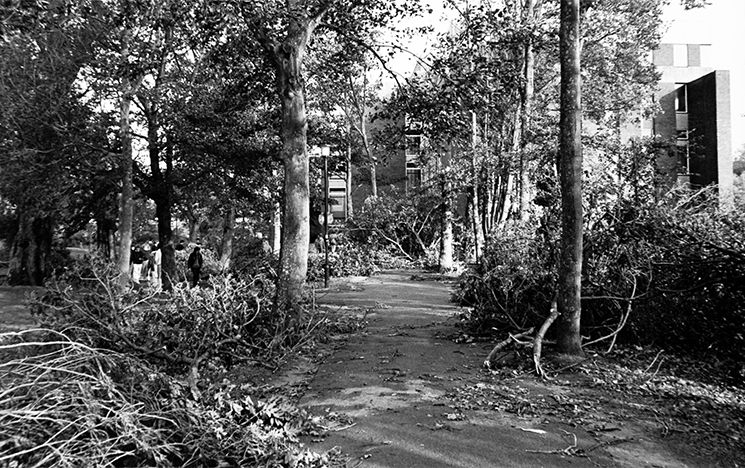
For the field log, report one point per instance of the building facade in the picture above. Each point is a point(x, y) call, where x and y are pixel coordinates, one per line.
point(694, 99)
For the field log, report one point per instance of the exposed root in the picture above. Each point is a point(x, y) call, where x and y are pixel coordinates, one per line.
point(503, 344)
point(538, 340)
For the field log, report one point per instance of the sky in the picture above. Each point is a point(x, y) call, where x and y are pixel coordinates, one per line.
point(721, 24)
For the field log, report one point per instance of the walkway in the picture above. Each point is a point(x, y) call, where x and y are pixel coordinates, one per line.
point(396, 381)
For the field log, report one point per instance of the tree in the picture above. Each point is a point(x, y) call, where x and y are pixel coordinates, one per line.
point(48, 135)
point(285, 30)
point(569, 166)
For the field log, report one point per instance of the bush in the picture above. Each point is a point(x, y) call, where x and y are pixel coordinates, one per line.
point(93, 407)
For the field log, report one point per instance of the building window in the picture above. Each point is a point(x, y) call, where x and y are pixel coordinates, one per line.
point(681, 97)
point(413, 146)
point(706, 57)
point(680, 55)
point(413, 177)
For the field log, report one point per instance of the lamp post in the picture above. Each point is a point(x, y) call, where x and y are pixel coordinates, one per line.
point(324, 152)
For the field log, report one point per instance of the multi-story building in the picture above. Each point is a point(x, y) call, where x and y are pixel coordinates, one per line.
point(695, 111)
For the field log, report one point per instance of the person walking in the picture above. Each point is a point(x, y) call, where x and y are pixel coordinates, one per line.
point(155, 258)
point(195, 265)
point(137, 257)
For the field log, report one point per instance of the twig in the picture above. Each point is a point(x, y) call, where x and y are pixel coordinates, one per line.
point(653, 361)
point(622, 323)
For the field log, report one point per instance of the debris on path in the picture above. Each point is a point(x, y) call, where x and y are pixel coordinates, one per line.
point(408, 395)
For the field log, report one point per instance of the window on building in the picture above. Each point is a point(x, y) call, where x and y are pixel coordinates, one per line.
point(706, 56)
point(413, 144)
point(681, 97)
point(413, 177)
point(680, 55)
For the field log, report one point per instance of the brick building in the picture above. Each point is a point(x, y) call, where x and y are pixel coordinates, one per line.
point(695, 111)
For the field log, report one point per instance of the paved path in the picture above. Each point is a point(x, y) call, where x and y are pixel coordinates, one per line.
point(14, 313)
point(395, 380)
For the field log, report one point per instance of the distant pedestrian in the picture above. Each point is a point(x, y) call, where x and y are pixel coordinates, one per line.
point(156, 259)
point(137, 257)
point(194, 263)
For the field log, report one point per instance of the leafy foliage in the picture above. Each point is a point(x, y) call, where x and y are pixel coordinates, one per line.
point(103, 408)
point(187, 330)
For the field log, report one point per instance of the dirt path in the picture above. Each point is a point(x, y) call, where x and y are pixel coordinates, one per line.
point(398, 384)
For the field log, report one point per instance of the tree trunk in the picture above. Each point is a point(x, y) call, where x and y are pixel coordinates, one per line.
point(446, 229)
point(293, 258)
point(163, 210)
point(226, 247)
point(531, 17)
point(30, 250)
point(126, 204)
point(276, 229)
point(348, 176)
point(478, 232)
point(373, 178)
point(570, 175)
point(193, 222)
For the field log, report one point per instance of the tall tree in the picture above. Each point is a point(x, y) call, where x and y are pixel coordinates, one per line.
point(570, 176)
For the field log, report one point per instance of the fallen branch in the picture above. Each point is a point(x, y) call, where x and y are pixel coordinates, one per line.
point(503, 344)
point(571, 451)
point(621, 324)
point(538, 340)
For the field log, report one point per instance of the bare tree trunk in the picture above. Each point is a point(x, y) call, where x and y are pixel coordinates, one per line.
point(126, 204)
point(348, 176)
point(226, 246)
point(570, 175)
point(478, 232)
point(30, 250)
point(276, 229)
point(446, 229)
point(163, 209)
point(363, 133)
point(531, 14)
point(293, 258)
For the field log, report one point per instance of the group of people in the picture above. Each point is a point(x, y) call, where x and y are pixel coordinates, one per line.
point(145, 263)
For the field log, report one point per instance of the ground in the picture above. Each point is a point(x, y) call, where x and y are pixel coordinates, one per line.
point(409, 390)
point(404, 393)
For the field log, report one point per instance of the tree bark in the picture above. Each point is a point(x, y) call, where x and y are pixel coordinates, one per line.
point(126, 204)
point(348, 176)
point(446, 230)
point(30, 250)
point(293, 258)
point(226, 246)
point(478, 232)
point(531, 14)
point(570, 175)
point(276, 229)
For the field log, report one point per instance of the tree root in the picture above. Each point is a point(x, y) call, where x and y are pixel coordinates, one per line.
point(488, 362)
point(538, 340)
